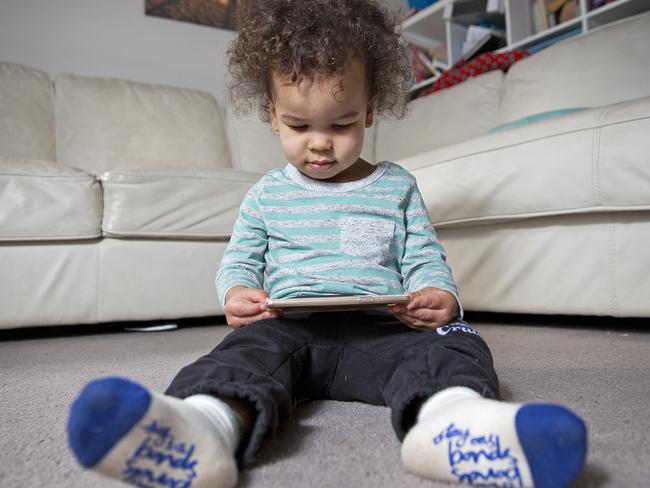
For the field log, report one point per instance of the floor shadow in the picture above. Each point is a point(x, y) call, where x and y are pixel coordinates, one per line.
point(506, 393)
point(287, 441)
point(76, 330)
point(592, 477)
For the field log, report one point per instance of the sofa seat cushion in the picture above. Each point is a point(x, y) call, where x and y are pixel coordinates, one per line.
point(26, 113)
point(42, 200)
point(173, 203)
point(105, 124)
point(589, 161)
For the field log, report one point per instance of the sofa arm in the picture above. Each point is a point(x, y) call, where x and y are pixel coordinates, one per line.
point(43, 200)
point(589, 161)
point(173, 203)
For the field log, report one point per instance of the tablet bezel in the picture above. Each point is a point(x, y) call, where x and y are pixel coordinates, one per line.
point(335, 303)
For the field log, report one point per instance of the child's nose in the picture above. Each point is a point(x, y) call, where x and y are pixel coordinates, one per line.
point(320, 142)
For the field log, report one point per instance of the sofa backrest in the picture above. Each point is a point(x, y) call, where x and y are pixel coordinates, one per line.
point(604, 66)
point(104, 124)
point(26, 113)
point(253, 145)
point(446, 117)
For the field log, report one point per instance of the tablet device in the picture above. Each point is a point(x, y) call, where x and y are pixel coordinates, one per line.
point(336, 303)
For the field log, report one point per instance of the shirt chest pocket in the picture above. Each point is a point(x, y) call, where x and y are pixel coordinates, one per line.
point(368, 238)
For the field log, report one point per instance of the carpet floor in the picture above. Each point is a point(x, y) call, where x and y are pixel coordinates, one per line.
point(599, 368)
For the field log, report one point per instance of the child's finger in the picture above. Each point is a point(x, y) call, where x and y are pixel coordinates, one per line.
point(423, 300)
point(244, 308)
point(253, 295)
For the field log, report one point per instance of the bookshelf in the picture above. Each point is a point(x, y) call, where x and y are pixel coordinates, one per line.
point(442, 27)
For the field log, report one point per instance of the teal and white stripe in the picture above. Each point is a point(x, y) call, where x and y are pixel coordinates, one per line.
point(298, 237)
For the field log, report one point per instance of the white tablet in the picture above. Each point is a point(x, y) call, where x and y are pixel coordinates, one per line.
point(330, 304)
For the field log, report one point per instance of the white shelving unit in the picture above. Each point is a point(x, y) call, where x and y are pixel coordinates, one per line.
point(436, 26)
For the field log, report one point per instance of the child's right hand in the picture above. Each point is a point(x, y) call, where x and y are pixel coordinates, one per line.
point(247, 305)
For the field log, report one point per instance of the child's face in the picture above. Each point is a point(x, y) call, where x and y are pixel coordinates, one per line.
point(321, 123)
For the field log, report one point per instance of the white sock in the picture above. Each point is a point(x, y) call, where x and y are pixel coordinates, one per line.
point(460, 436)
point(220, 415)
point(122, 430)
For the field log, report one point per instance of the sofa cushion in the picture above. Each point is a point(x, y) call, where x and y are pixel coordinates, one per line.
point(590, 161)
point(105, 124)
point(26, 113)
point(446, 117)
point(255, 147)
point(173, 203)
point(42, 200)
point(614, 58)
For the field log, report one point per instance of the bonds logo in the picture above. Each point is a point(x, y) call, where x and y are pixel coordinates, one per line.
point(456, 327)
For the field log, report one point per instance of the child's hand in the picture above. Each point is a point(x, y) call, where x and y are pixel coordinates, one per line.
point(429, 308)
point(246, 305)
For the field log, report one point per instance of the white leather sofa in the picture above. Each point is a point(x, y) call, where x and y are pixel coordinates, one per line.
point(549, 217)
point(117, 198)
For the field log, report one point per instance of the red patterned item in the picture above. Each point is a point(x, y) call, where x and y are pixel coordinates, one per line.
point(483, 63)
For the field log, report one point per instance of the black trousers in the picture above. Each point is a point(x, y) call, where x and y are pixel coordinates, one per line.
point(357, 356)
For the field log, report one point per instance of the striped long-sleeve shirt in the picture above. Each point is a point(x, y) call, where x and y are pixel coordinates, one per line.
point(300, 237)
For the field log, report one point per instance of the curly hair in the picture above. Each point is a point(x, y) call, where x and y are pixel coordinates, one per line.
point(302, 39)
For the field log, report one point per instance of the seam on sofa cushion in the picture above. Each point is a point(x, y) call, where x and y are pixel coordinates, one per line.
point(127, 176)
point(49, 237)
point(542, 213)
point(181, 236)
point(49, 176)
point(98, 279)
point(133, 177)
point(520, 143)
point(232, 136)
point(613, 297)
point(595, 157)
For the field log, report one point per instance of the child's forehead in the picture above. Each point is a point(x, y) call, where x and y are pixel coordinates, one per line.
point(349, 80)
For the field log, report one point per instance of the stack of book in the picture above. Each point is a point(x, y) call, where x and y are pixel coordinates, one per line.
point(549, 13)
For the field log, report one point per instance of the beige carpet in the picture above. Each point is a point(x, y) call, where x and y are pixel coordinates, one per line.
point(599, 368)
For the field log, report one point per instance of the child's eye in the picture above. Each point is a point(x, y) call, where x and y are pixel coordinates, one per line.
point(343, 126)
point(298, 128)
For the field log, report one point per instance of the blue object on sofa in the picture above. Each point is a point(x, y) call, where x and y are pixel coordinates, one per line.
point(536, 118)
point(421, 3)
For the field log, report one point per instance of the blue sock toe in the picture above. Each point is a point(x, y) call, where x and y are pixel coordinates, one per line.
point(104, 412)
point(555, 443)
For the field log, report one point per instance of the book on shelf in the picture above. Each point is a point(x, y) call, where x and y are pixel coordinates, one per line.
point(559, 11)
point(540, 16)
point(480, 39)
point(425, 65)
point(479, 12)
point(593, 4)
point(546, 14)
point(495, 6)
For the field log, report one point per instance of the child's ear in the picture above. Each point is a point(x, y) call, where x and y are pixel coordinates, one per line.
point(370, 110)
point(274, 116)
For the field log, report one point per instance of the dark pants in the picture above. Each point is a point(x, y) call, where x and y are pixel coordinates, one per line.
point(358, 356)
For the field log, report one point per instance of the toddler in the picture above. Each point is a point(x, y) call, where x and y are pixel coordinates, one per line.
point(329, 223)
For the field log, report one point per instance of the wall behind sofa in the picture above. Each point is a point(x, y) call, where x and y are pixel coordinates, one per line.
point(113, 38)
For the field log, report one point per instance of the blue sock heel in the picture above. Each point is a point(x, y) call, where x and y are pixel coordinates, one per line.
point(555, 443)
point(104, 412)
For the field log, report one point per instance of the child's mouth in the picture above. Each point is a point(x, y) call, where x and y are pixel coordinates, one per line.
point(320, 165)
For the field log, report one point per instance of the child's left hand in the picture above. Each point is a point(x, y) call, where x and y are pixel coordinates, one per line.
point(429, 308)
